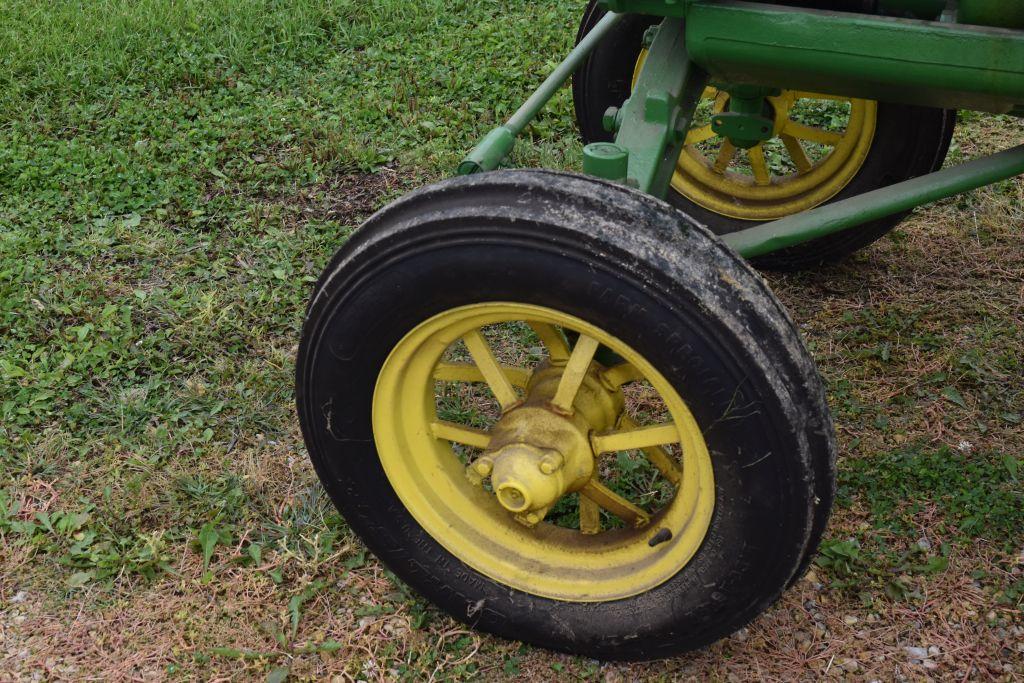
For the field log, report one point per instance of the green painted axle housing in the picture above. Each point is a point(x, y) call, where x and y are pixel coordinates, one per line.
point(884, 58)
point(881, 58)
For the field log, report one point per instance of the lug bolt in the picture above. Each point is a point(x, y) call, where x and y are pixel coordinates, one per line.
point(483, 466)
point(551, 463)
point(610, 119)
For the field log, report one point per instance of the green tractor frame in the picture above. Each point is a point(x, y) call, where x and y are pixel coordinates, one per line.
point(491, 363)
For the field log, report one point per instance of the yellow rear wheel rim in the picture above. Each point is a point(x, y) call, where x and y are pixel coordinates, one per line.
point(428, 459)
point(812, 164)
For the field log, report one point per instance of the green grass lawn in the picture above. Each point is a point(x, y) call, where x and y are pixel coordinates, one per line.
point(173, 176)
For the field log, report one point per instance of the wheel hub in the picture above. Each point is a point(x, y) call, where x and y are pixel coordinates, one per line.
point(539, 453)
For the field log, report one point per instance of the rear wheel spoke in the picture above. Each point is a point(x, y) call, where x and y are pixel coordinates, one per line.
point(796, 153)
point(811, 134)
point(700, 134)
point(762, 176)
point(725, 156)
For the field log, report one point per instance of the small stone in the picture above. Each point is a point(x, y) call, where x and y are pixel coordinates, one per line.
point(850, 664)
point(916, 652)
point(742, 634)
point(20, 596)
point(924, 544)
point(850, 620)
point(934, 651)
point(802, 636)
point(991, 616)
point(929, 664)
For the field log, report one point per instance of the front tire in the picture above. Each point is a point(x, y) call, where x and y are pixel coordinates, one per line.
point(601, 262)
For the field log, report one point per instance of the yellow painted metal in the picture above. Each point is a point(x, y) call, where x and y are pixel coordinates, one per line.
point(704, 176)
point(538, 441)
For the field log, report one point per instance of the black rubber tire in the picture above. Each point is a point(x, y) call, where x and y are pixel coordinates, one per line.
point(909, 141)
point(645, 273)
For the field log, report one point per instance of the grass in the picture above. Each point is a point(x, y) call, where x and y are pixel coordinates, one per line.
point(173, 176)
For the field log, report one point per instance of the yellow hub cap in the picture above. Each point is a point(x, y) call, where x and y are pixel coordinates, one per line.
point(820, 144)
point(534, 463)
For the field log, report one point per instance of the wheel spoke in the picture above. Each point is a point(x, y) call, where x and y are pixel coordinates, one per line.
point(623, 373)
point(638, 439)
point(700, 134)
point(553, 340)
point(575, 370)
point(725, 156)
point(796, 153)
point(762, 176)
point(710, 93)
point(590, 516)
point(811, 134)
point(468, 372)
point(491, 371)
point(658, 456)
point(614, 503)
point(467, 436)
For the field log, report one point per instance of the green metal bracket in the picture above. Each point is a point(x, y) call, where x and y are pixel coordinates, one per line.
point(832, 218)
point(606, 160)
point(498, 143)
point(858, 55)
point(656, 117)
point(743, 130)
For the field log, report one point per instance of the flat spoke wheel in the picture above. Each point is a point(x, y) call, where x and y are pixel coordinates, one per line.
point(566, 414)
point(823, 148)
point(804, 165)
point(520, 465)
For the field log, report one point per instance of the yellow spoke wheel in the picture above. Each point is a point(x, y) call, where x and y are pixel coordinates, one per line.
point(816, 162)
point(824, 161)
point(416, 450)
point(823, 149)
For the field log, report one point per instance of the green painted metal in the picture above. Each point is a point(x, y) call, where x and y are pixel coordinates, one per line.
point(606, 160)
point(991, 13)
point(921, 9)
point(749, 119)
point(882, 58)
point(656, 117)
point(497, 144)
point(832, 218)
point(743, 130)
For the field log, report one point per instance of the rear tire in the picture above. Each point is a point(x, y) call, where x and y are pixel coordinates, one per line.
point(909, 141)
point(643, 273)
